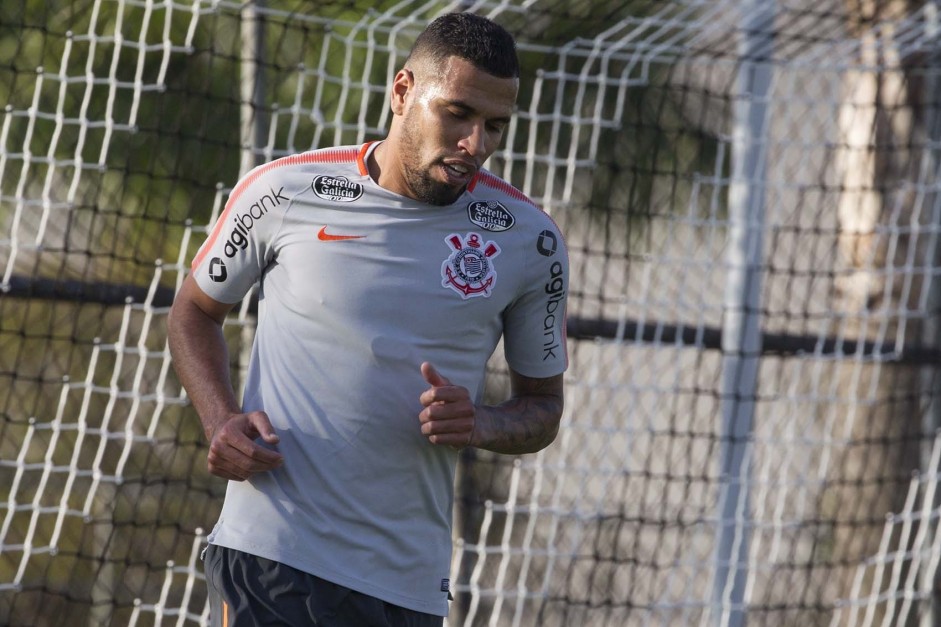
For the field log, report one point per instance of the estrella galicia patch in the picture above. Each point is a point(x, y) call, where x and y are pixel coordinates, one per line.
point(490, 215)
point(469, 270)
point(336, 188)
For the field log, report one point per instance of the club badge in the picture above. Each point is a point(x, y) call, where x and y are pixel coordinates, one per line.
point(469, 269)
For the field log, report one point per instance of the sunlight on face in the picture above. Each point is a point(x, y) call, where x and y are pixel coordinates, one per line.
point(454, 120)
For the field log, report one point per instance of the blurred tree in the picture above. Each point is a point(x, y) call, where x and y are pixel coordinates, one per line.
point(878, 157)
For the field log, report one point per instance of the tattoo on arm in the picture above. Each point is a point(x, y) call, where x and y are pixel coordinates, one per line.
point(528, 421)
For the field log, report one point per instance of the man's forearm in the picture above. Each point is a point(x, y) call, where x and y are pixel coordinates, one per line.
point(526, 423)
point(200, 358)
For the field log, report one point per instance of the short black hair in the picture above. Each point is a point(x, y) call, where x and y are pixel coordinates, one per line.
point(471, 37)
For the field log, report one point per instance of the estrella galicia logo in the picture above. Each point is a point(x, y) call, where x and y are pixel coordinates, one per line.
point(547, 243)
point(217, 271)
point(336, 188)
point(490, 215)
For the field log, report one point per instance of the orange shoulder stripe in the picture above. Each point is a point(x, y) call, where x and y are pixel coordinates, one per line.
point(315, 156)
point(361, 158)
point(492, 181)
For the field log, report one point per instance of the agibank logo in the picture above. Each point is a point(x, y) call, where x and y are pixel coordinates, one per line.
point(555, 312)
point(217, 271)
point(469, 269)
point(245, 222)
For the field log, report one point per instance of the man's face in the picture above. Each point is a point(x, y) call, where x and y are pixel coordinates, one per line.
point(452, 121)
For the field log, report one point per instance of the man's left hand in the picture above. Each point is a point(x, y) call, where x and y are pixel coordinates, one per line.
point(449, 415)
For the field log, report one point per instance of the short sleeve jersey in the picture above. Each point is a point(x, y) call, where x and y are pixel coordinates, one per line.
point(357, 287)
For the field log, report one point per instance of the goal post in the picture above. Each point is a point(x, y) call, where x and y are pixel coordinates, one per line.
point(751, 197)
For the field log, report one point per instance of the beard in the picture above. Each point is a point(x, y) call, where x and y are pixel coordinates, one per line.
point(418, 176)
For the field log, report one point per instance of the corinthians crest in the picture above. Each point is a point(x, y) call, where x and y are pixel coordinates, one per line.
point(469, 269)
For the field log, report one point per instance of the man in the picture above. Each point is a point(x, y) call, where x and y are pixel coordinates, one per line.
point(389, 273)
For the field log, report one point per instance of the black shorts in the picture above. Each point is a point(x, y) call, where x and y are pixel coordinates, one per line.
point(246, 590)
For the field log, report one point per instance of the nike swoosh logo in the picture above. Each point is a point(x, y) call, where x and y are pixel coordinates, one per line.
point(323, 236)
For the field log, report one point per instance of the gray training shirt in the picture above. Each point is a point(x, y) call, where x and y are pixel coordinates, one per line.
point(359, 286)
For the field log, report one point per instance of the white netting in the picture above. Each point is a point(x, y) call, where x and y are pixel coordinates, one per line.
point(703, 472)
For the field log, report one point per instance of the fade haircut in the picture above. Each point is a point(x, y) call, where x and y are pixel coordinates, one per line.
point(482, 42)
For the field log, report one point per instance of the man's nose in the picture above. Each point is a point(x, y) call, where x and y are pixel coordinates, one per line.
point(474, 140)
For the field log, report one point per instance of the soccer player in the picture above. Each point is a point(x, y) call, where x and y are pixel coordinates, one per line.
point(388, 274)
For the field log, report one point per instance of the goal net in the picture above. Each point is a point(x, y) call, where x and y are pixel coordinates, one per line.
point(751, 196)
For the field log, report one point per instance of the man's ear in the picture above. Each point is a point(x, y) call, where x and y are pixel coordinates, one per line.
point(402, 84)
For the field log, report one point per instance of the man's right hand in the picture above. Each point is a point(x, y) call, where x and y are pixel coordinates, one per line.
point(233, 452)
